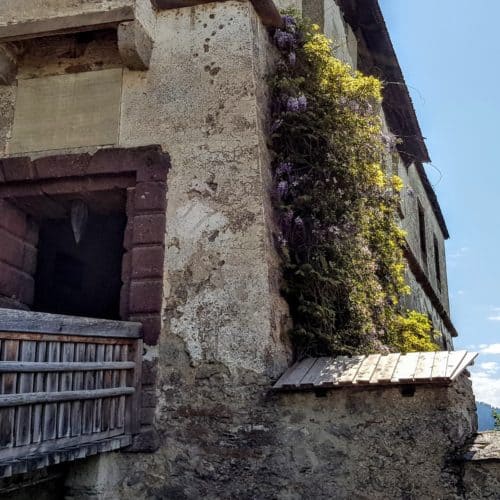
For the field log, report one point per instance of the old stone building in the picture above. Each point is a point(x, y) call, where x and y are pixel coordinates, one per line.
point(142, 125)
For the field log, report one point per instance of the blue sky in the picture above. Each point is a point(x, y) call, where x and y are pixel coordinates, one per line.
point(449, 53)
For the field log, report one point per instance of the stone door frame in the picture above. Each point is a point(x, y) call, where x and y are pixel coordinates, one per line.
point(142, 172)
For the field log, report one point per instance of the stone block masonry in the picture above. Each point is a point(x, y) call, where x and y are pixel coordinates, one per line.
point(18, 238)
point(229, 437)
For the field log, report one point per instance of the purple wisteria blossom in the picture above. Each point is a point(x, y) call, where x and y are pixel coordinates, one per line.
point(286, 220)
point(292, 58)
point(276, 125)
point(302, 101)
point(282, 189)
point(299, 222)
point(389, 141)
point(334, 230)
point(354, 106)
point(292, 105)
point(289, 22)
point(284, 40)
point(282, 240)
point(284, 169)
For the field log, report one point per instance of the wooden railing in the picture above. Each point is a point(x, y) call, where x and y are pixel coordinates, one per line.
point(69, 388)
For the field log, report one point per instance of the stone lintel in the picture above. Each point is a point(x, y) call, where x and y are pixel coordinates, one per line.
point(8, 63)
point(266, 9)
point(135, 45)
point(61, 22)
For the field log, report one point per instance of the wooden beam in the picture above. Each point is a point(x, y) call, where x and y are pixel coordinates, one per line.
point(29, 398)
point(32, 367)
point(34, 322)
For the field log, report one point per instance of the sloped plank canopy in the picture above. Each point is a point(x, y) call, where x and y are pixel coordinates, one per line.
point(441, 367)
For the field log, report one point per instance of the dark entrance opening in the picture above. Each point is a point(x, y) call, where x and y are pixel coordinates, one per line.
point(80, 279)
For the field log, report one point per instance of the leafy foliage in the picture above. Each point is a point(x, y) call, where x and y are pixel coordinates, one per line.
point(342, 246)
point(496, 417)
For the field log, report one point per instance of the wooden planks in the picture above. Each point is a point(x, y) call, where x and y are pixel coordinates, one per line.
point(37, 367)
point(395, 368)
point(58, 397)
point(68, 453)
point(61, 390)
point(34, 322)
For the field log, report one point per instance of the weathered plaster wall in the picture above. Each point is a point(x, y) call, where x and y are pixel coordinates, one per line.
point(222, 297)
point(56, 56)
point(482, 467)
point(413, 191)
point(244, 442)
point(327, 14)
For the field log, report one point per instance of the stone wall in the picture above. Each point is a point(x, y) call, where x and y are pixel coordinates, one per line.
point(233, 438)
point(18, 238)
point(414, 192)
point(482, 467)
point(204, 100)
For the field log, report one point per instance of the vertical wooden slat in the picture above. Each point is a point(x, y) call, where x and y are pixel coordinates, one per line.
point(39, 386)
point(107, 381)
point(25, 384)
point(115, 402)
point(99, 384)
point(123, 382)
point(51, 385)
point(88, 406)
point(78, 384)
point(10, 351)
point(65, 383)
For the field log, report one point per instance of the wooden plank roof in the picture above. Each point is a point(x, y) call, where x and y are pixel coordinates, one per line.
point(440, 367)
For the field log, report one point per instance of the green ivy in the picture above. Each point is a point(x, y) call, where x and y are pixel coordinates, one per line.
point(340, 240)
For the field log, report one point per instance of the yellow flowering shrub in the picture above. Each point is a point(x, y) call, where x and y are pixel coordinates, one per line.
point(340, 241)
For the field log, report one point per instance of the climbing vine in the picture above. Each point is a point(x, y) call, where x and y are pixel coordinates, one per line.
point(340, 241)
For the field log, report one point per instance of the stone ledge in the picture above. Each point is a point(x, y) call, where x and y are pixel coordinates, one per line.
point(486, 446)
point(266, 9)
point(24, 19)
point(33, 18)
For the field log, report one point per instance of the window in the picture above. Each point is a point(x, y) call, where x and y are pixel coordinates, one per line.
point(437, 265)
point(421, 228)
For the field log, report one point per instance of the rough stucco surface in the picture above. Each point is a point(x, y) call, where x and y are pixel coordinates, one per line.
point(482, 480)
point(222, 296)
point(7, 107)
point(413, 191)
point(26, 11)
point(482, 467)
point(243, 442)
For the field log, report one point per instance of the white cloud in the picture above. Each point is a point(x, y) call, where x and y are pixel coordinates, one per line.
point(486, 387)
point(490, 348)
point(495, 314)
point(459, 253)
point(454, 257)
point(490, 367)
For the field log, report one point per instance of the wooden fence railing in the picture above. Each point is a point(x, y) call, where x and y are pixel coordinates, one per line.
point(69, 388)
